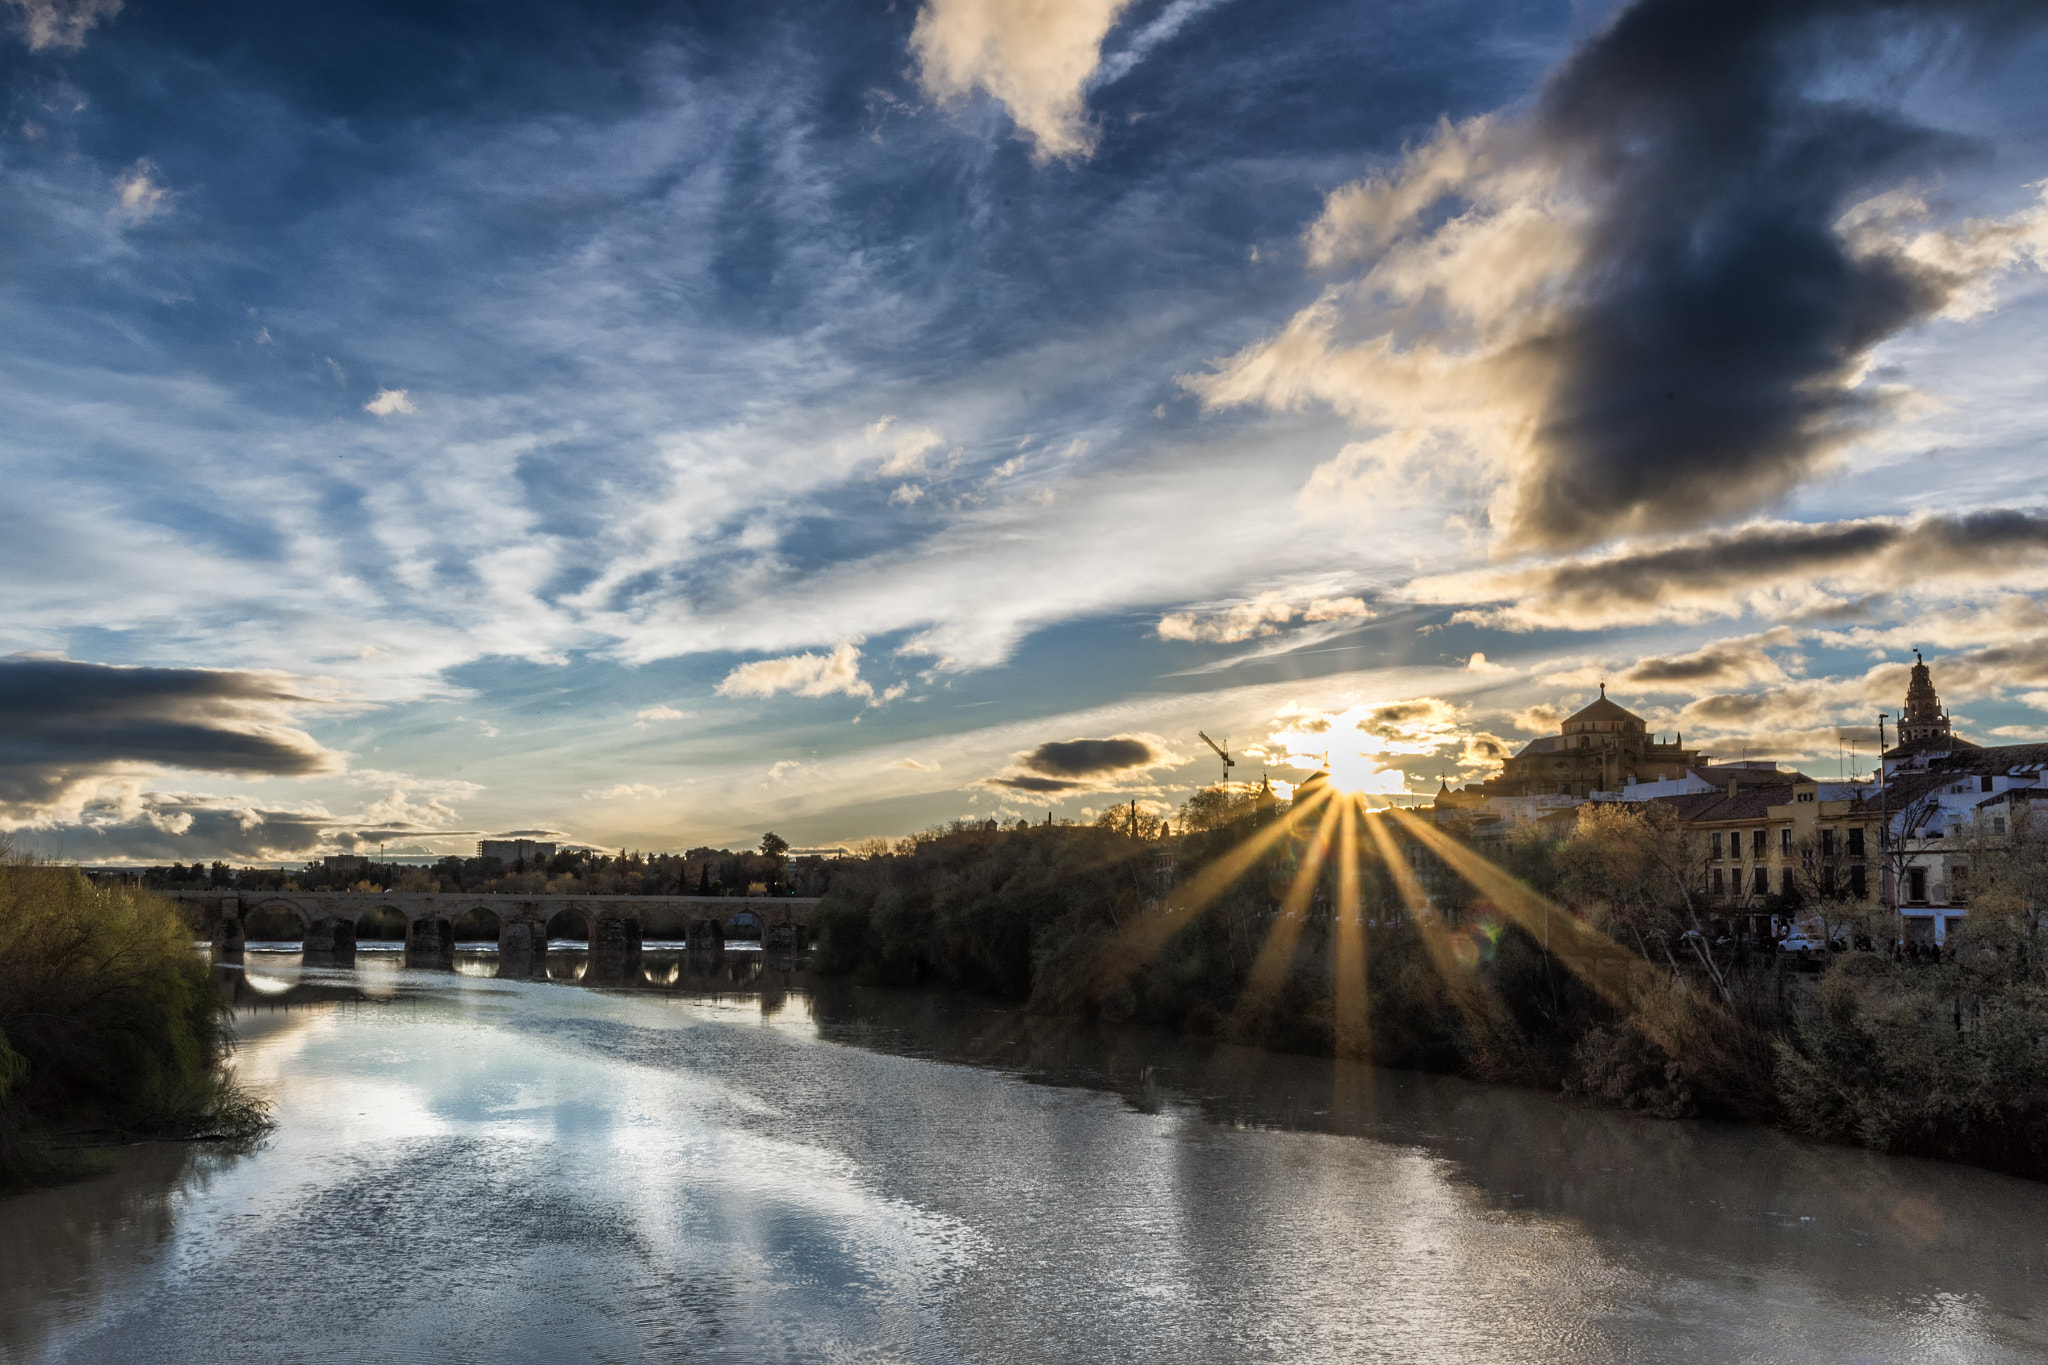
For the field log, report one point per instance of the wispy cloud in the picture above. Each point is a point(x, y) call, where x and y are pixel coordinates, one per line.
point(1262, 615)
point(46, 24)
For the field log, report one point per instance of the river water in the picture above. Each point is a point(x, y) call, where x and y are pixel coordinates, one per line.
point(716, 1164)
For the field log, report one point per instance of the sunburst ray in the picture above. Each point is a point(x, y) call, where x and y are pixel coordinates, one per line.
point(1604, 965)
point(1276, 953)
point(1140, 941)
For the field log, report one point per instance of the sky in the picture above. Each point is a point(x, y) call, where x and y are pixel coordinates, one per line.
point(655, 424)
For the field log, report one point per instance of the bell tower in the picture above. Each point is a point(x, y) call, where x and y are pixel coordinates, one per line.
point(1922, 717)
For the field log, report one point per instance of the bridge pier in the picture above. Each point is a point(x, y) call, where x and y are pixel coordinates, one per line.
point(330, 941)
point(229, 939)
point(522, 947)
point(614, 949)
point(429, 942)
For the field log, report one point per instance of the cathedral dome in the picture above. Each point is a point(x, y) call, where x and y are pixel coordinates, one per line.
point(1605, 717)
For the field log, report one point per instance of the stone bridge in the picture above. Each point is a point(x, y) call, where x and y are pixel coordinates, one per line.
point(611, 923)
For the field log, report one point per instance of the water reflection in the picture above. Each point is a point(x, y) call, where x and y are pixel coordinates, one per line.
point(712, 1158)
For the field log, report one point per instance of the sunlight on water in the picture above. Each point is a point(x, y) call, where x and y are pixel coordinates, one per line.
point(712, 1160)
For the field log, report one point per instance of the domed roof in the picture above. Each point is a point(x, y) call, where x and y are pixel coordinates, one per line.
point(1601, 709)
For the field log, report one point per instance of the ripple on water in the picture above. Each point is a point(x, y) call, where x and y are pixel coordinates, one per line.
point(508, 1170)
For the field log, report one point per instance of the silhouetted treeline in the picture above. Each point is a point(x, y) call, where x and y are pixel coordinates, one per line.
point(699, 872)
point(1942, 1055)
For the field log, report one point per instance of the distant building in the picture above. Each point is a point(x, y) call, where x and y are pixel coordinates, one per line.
point(1601, 747)
point(1924, 723)
point(510, 851)
point(345, 862)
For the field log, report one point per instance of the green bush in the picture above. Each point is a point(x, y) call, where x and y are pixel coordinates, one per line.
point(109, 1021)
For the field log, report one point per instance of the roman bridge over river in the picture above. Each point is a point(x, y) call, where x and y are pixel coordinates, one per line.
point(523, 924)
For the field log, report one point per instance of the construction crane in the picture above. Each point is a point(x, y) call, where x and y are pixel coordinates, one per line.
point(1222, 753)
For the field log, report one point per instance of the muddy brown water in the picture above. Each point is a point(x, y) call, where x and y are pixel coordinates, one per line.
point(716, 1161)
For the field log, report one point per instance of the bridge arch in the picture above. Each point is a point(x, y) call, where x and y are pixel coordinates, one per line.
point(478, 924)
point(382, 924)
point(276, 920)
point(572, 923)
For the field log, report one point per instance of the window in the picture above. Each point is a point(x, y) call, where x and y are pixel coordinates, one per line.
point(1859, 882)
point(1958, 885)
point(1856, 843)
point(1827, 879)
point(1784, 838)
point(1785, 882)
point(1720, 889)
point(1916, 885)
point(1984, 783)
point(1762, 882)
point(1806, 859)
point(1805, 796)
point(1756, 842)
point(1714, 843)
point(1827, 843)
point(1998, 824)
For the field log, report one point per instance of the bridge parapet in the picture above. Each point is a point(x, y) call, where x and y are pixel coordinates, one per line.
point(332, 917)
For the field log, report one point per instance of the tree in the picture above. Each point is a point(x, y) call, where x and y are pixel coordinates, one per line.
point(774, 846)
point(1132, 821)
point(1215, 807)
point(1641, 862)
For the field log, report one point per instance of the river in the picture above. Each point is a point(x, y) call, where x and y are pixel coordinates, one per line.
point(724, 1165)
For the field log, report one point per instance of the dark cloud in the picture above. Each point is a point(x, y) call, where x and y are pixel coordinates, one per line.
point(1399, 713)
point(1713, 574)
point(1090, 757)
point(1720, 312)
point(1079, 764)
point(1725, 663)
point(63, 722)
point(1027, 783)
point(1485, 750)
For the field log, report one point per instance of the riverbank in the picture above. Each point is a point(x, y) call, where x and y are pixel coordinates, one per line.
point(110, 1027)
point(1621, 1008)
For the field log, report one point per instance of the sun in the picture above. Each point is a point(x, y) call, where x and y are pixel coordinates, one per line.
point(1359, 775)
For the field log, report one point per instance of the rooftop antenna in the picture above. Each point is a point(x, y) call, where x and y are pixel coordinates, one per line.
point(1222, 753)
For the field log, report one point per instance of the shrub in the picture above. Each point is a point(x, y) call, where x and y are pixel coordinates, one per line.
point(108, 1021)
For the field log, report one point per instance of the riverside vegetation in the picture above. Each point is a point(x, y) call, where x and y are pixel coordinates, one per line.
point(1945, 1059)
point(111, 1028)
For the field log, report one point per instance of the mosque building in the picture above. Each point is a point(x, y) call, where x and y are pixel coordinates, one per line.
point(1601, 747)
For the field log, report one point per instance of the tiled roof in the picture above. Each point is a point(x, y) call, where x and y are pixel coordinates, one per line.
point(1995, 758)
point(1750, 802)
point(1602, 709)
